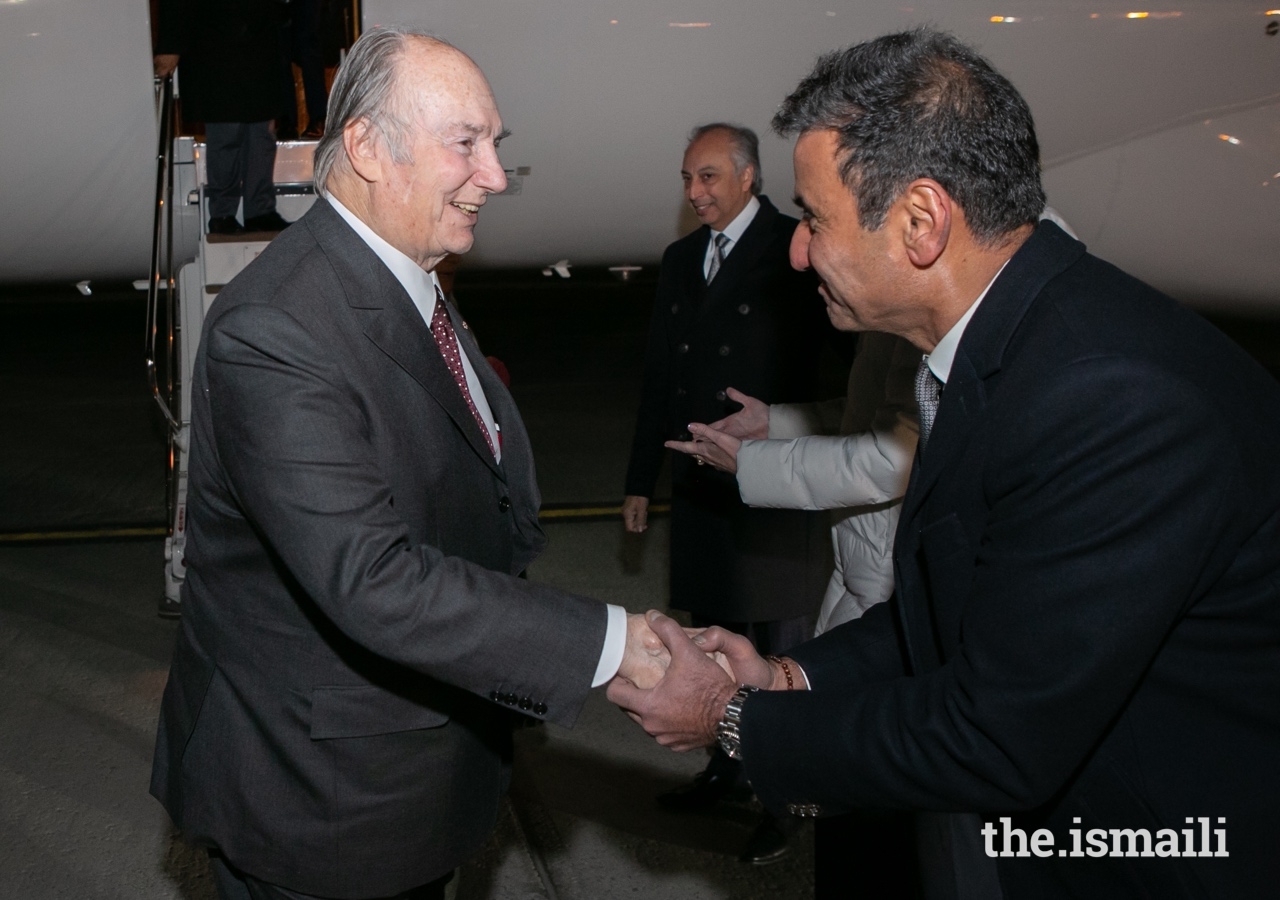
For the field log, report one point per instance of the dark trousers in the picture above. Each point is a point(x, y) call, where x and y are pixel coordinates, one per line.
point(871, 856)
point(233, 884)
point(240, 161)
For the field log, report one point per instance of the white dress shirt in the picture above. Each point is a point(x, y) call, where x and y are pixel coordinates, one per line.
point(733, 231)
point(943, 355)
point(421, 287)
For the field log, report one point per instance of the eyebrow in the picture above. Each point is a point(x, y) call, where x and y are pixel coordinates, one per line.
point(473, 129)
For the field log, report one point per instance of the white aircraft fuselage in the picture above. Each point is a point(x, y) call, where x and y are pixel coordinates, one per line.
point(1159, 126)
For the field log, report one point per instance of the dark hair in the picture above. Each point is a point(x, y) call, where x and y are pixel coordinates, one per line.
point(920, 104)
point(744, 148)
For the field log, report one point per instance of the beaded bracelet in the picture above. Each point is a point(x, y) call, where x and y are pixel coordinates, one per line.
point(786, 670)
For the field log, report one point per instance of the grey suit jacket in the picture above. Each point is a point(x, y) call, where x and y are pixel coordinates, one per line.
point(354, 631)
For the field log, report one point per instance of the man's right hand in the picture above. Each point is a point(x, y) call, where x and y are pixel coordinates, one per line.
point(749, 423)
point(635, 513)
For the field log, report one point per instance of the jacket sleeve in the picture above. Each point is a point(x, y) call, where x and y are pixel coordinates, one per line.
point(293, 445)
point(1109, 515)
point(652, 427)
point(869, 468)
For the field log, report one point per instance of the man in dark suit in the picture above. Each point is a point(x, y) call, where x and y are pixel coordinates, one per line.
point(1078, 675)
point(730, 313)
point(230, 78)
point(354, 634)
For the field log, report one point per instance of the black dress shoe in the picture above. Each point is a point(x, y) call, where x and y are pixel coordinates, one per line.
point(768, 844)
point(703, 793)
point(225, 225)
point(266, 222)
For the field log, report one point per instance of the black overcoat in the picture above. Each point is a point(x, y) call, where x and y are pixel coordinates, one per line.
point(759, 328)
point(1088, 590)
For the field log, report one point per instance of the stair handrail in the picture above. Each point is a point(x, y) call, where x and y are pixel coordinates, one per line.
point(162, 231)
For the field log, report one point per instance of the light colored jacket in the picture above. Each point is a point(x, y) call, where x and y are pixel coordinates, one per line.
point(861, 475)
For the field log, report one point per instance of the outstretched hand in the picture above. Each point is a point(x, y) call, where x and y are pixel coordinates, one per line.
point(749, 423)
point(715, 448)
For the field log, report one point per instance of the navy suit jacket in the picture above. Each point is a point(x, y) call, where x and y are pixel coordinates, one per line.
point(1087, 613)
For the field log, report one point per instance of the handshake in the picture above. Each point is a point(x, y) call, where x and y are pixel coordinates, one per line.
point(675, 682)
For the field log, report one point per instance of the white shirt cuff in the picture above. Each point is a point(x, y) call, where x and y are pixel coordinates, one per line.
point(615, 643)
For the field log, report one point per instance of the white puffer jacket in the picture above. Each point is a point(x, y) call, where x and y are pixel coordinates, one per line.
point(861, 475)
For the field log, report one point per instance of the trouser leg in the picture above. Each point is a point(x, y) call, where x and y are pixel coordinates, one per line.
point(224, 167)
point(233, 884)
point(260, 165)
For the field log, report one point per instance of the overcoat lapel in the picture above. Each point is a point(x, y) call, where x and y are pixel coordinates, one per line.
point(736, 266)
point(981, 354)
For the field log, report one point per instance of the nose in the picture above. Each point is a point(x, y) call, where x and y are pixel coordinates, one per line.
point(800, 247)
point(490, 175)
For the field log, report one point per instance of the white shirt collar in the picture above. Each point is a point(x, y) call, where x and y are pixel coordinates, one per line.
point(420, 285)
point(733, 231)
point(943, 355)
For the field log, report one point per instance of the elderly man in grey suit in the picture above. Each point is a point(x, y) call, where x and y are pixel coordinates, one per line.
point(354, 634)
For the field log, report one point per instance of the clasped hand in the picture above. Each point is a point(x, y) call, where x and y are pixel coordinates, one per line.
point(703, 669)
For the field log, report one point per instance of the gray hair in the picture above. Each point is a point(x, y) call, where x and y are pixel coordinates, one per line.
point(366, 88)
point(920, 104)
point(744, 148)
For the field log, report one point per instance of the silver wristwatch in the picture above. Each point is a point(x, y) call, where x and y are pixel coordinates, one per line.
point(727, 730)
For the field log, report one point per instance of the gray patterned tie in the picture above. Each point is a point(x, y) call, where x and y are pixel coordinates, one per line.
point(928, 390)
point(717, 257)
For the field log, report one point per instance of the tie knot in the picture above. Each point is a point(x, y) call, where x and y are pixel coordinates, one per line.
point(721, 240)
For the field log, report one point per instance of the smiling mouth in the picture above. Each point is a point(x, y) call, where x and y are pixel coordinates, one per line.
point(469, 208)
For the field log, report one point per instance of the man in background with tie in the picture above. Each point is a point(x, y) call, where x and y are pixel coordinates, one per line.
point(354, 634)
point(730, 311)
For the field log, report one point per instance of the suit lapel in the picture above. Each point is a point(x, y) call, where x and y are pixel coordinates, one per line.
point(391, 321)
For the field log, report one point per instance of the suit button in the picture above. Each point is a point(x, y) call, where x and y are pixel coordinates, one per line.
point(511, 699)
point(724, 351)
point(495, 696)
point(682, 348)
point(526, 703)
point(721, 395)
point(744, 309)
point(675, 308)
point(804, 810)
point(504, 504)
point(540, 709)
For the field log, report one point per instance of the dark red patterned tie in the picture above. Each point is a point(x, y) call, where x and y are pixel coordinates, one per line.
point(447, 341)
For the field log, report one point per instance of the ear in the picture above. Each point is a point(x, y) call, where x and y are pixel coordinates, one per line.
point(364, 149)
point(927, 208)
point(747, 176)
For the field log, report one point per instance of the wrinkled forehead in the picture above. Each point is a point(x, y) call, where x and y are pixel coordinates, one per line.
point(447, 90)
